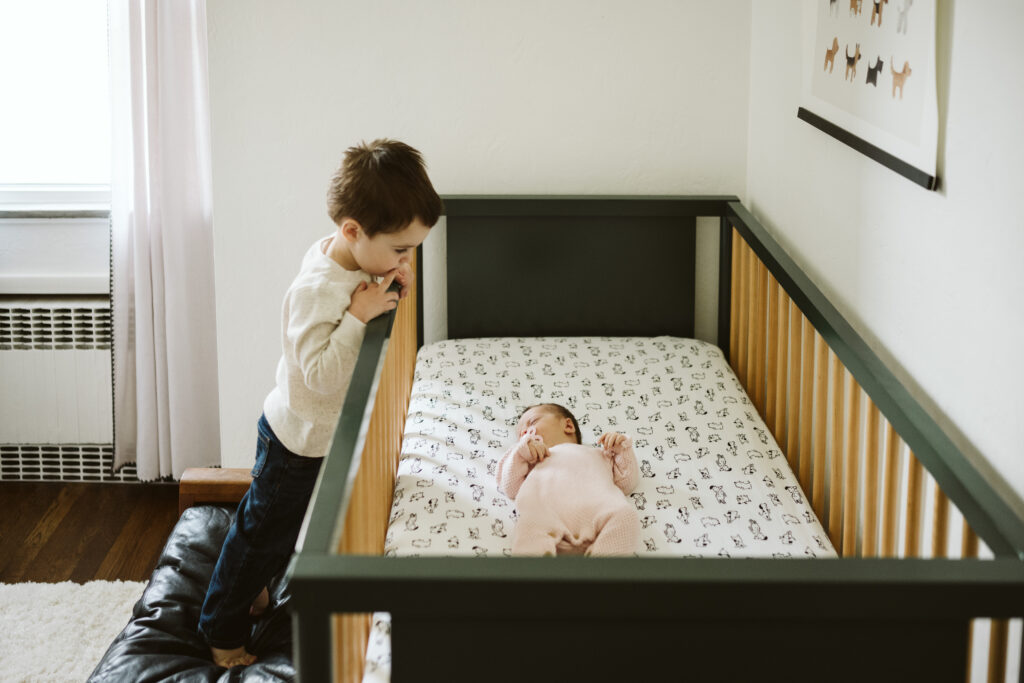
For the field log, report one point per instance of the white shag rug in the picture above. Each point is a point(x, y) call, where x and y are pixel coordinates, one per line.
point(59, 631)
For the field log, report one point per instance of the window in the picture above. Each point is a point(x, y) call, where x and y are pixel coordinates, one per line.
point(55, 121)
point(54, 148)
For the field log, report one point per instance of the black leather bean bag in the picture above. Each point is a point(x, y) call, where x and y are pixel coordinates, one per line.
point(160, 643)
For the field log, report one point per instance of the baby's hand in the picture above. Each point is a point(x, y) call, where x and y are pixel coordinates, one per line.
point(613, 442)
point(403, 276)
point(532, 448)
point(371, 299)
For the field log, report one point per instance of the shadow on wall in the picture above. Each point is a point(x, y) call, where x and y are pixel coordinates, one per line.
point(943, 67)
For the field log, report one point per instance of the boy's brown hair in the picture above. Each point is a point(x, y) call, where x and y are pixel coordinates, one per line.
point(383, 186)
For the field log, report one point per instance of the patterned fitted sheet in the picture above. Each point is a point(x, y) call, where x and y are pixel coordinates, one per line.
point(713, 480)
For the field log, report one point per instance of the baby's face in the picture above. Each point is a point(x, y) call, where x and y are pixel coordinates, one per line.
point(548, 425)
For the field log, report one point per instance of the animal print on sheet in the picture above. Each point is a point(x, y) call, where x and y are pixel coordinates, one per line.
point(713, 481)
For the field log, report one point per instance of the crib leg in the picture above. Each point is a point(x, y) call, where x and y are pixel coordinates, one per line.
point(311, 645)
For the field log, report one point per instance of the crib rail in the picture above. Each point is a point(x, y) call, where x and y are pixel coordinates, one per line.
point(988, 514)
point(864, 480)
point(351, 504)
point(366, 522)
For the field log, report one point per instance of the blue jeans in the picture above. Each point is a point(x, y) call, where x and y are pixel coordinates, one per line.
point(261, 539)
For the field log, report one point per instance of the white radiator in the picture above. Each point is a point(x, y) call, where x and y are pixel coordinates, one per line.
point(55, 372)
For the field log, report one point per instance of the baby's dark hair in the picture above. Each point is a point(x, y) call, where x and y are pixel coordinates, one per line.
point(383, 186)
point(561, 411)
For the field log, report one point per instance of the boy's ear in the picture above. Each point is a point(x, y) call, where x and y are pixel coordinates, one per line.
point(350, 229)
point(569, 428)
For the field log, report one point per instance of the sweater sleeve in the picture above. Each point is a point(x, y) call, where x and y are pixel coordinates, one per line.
point(325, 336)
point(625, 468)
point(513, 468)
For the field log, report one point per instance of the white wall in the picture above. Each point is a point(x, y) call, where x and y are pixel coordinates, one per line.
point(526, 97)
point(935, 276)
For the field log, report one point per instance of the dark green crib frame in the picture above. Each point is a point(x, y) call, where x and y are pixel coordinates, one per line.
point(571, 618)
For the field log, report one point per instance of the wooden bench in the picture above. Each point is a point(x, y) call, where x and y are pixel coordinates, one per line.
point(212, 485)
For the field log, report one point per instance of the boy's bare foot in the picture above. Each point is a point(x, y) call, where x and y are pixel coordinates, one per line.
point(259, 605)
point(229, 658)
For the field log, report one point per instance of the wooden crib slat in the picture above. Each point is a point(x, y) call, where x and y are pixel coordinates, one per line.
point(997, 642)
point(820, 418)
point(752, 269)
point(734, 302)
point(912, 545)
point(741, 360)
point(969, 549)
point(852, 462)
point(835, 524)
point(806, 403)
point(870, 543)
point(890, 514)
point(760, 331)
point(940, 527)
point(793, 406)
point(352, 633)
point(779, 427)
point(772, 360)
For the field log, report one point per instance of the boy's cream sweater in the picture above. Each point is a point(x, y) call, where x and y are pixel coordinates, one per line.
point(320, 342)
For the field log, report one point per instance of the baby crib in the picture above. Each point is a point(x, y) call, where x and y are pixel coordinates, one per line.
point(902, 505)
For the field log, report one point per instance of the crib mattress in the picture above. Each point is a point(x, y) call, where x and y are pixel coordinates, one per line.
point(713, 481)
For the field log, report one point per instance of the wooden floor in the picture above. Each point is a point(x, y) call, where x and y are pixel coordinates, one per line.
point(51, 532)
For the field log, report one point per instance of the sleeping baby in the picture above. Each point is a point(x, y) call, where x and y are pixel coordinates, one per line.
point(571, 498)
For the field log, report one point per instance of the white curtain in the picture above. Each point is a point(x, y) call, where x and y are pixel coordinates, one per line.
point(165, 342)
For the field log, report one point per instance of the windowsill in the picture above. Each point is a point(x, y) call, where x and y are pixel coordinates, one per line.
point(54, 211)
point(61, 285)
point(54, 244)
point(54, 201)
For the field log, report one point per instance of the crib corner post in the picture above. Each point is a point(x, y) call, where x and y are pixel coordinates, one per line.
point(418, 265)
point(724, 285)
point(311, 644)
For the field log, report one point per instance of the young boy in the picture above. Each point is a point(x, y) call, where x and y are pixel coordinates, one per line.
point(383, 205)
point(570, 498)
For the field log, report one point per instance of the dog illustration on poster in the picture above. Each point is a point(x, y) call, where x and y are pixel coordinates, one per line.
point(876, 11)
point(851, 62)
point(899, 77)
point(873, 72)
point(830, 55)
point(901, 21)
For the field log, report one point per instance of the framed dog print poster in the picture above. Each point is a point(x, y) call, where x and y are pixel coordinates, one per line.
point(869, 80)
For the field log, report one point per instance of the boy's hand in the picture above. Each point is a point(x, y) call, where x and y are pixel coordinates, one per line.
point(613, 442)
point(403, 276)
point(371, 299)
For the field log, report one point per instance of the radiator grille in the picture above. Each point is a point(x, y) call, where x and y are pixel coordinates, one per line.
point(62, 462)
point(55, 390)
point(55, 328)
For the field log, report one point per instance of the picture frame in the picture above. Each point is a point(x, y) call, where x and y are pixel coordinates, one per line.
point(869, 80)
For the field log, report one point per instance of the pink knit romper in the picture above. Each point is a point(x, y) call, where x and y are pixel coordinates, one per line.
point(574, 501)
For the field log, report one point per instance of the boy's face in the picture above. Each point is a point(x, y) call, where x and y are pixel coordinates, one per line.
point(385, 251)
point(548, 425)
